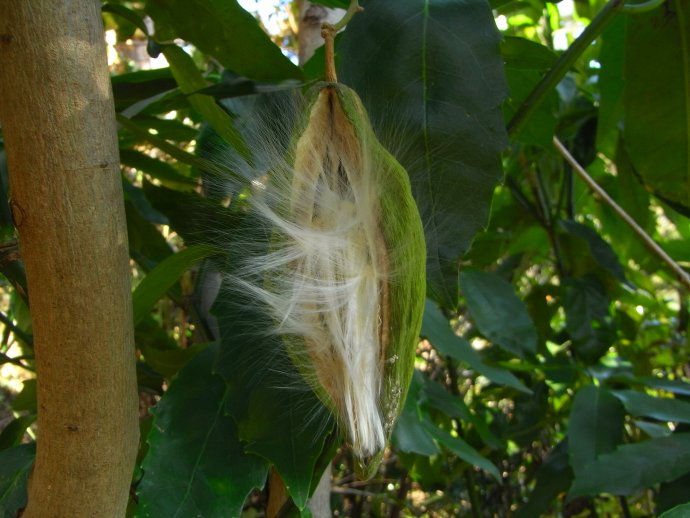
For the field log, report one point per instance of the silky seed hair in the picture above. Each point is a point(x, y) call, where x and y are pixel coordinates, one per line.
point(336, 262)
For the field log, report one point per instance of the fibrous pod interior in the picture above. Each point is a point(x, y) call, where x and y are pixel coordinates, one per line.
point(345, 278)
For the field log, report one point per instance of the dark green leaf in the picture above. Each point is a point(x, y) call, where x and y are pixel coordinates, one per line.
point(342, 4)
point(13, 433)
point(409, 435)
point(436, 328)
point(154, 286)
point(611, 87)
point(596, 426)
point(657, 98)
point(127, 14)
point(190, 80)
point(640, 404)
point(163, 171)
point(601, 251)
point(436, 82)
point(222, 29)
point(26, 399)
point(633, 467)
point(498, 312)
point(542, 126)
point(588, 320)
point(277, 413)
point(133, 87)
point(553, 477)
point(196, 465)
point(168, 362)
point(680, 511)
point(526, 54)
point(463, 450)
point(15, 467)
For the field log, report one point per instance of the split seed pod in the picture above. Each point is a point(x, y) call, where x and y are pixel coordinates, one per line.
point(345, 277)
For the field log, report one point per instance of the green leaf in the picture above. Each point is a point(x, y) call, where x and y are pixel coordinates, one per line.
point(526, 61)
point(134, 87)
point(553, 477)
point(498, 312)
point(409, 434)
point(657, 98)
point(15, 467)
point(436, 328)
point(163, 171)
point(600, 250)
point(588, 320)
point(633, 467)
point(127, 14)
point(435, 84)
point(196, 465)
point(190, 80)
point(168, 362)
point(463, 450)
point(155, 285)
point(13, 433)
point(277, 413)
point(640, 404)
point(680, 511)
point(222, 29)
point(611, 106)
point(26, 399)
point(171, 149)
point(596, 426)
point(526, 54)
point(342, 4)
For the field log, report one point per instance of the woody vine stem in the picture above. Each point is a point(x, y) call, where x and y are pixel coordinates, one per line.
point(328, 32)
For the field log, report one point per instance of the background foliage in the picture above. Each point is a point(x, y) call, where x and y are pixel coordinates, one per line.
point(552, 377)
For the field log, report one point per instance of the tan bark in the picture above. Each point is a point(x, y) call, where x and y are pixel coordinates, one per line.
point(57, 115)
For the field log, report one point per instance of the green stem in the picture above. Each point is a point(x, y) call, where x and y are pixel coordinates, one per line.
point(562, 66)
point(328, 32)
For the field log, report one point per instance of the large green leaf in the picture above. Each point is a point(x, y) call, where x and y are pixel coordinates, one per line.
point(463, 450)
point(526, 61)
point(640, 404)
point(190, 80)
point(596, 426)
point(657, 98)
point(154, 286)
point(431, 76)
point(277, 413)
point(498, 312)
point(588, 319)
point(222, 29)
point(553, 477)
point(680, 511)
point(196, 464)
point(15, 466)
point(436, 328)
point(611, 106)
point(633, 467)
point(13, 433)
point(409, 434)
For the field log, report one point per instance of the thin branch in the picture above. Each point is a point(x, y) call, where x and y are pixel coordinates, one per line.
point(680, 273)
point(564, 63)
point(328, 32)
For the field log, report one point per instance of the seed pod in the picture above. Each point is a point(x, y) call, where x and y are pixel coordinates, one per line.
point(345, 278)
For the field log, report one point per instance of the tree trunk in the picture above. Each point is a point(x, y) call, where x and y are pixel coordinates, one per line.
point(58, 119)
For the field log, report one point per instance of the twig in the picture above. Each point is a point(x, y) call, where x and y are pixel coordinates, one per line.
point(328, 32)
point(561, 67)
point(681, 274)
